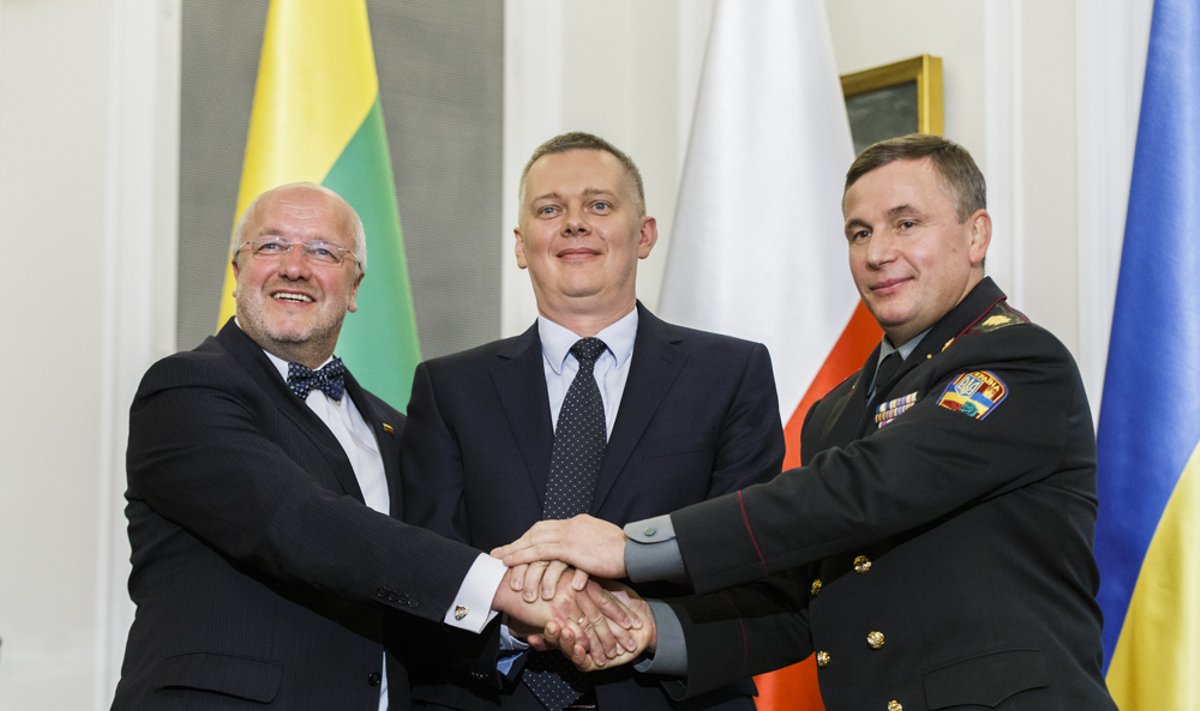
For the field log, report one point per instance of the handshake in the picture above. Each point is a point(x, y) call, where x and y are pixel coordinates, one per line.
point(550, 598)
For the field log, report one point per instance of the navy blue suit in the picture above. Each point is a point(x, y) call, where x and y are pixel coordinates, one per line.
point(698, 417)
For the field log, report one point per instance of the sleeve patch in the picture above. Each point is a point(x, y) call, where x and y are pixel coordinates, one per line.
point(974, 394)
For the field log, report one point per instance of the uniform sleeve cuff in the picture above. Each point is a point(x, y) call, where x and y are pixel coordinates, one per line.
point(670, 654)
point(652, 552)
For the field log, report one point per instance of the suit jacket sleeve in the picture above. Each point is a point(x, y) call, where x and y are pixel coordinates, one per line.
point(433, 483)
point(750, 449)
point(926, 464)
point(211, 452)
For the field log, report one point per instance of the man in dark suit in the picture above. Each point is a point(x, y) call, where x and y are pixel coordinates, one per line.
point(266, 568)
point(687, 415)
point(938, 540)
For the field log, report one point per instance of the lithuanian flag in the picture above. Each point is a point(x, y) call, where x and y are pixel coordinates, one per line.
point(317, 118)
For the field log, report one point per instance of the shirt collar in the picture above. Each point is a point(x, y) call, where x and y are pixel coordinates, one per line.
point(557, 340)
point(886, 347)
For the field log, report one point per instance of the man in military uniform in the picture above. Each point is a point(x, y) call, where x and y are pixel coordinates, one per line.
point(935, 551)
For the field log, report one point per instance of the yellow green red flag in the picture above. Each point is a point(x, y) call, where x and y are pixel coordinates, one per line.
point(317, 118)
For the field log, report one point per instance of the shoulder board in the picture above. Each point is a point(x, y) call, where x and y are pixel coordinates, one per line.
point(1001, 316)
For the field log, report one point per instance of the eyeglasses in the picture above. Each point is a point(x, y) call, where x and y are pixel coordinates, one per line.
point(317, 251)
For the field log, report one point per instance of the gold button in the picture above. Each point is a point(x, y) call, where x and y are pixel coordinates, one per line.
point(895, 705)
point(816, 587)
point(862, 564)
point(875, 639)
point(822, 659)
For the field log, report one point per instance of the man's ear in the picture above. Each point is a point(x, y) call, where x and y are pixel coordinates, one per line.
point(519, 248)
point(353, 305)
point(981, 237)
point(647, 237)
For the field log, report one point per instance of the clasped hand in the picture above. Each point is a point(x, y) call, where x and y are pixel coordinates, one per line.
point(596, 624)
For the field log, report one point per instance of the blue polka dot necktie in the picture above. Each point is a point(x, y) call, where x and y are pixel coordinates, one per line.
point(329, 379)
point(579, 441)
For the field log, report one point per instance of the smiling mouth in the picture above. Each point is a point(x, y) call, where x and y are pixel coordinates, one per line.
point(293, 298)
point(887, 285)
point(577, 253)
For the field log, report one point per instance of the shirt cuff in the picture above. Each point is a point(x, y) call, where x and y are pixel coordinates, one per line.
point(670, 654)
point(510, 642)
point(511, 649)
point(472, 608)
point(652, 552)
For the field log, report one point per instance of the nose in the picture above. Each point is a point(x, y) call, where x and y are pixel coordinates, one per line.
point(294, 264)
point(881, 249)
point(576, 224)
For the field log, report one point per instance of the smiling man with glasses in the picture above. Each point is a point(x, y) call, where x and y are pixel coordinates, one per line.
point(267, 570)
point(292, 302)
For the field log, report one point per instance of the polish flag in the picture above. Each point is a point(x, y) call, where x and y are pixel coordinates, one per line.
point(758, 249)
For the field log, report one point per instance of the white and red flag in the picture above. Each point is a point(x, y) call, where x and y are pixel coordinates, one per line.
point(758, 249)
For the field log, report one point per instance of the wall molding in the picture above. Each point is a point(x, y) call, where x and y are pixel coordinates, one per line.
point(1112, 37)
point(138, 310)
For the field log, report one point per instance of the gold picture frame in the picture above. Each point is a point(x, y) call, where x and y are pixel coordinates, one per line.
point(894, 100)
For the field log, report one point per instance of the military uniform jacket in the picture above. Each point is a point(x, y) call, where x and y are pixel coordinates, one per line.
point(261, 578)
point(937, 542)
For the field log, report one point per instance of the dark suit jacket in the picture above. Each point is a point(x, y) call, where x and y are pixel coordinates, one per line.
point(951, 553)
point(699, 417)
point(260, 577)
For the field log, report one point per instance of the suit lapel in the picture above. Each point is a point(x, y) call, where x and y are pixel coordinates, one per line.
point(263, 372)
point(520, 381)
point(658, 355)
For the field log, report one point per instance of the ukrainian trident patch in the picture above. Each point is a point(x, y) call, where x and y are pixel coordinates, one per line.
point(974, 394)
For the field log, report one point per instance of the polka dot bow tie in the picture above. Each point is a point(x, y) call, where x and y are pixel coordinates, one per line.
point(330, 379)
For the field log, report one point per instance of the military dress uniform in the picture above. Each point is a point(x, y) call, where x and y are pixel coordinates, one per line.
point(935, 551)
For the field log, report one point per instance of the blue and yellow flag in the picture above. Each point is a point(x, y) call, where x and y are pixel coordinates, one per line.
point(1148, 533)
point(317, 118)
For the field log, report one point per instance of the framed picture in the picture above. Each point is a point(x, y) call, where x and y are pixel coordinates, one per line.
point(894, 99)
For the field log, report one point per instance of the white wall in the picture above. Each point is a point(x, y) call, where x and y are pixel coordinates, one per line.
point(87, 189)
point(1044, 94)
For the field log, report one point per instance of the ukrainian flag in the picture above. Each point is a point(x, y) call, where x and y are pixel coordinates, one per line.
point(1148, 532)
point(317, 118)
